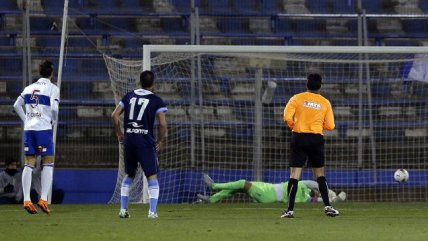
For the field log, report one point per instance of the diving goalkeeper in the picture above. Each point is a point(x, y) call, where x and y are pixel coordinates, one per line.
point(263, 192)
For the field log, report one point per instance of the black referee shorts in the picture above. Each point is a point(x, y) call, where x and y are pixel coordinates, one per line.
point(307, 146)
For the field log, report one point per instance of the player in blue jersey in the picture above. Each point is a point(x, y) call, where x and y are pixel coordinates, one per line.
point(41, 100)
point(140, 108)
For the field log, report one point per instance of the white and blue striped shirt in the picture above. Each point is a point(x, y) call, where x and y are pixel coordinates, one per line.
point(41, 101)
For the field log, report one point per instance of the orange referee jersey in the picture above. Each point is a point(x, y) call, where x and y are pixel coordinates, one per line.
point(309, 112)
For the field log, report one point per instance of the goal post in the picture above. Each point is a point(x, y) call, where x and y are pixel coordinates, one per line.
point(225, 115)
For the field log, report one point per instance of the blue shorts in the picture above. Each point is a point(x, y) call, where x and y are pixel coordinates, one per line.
point(146, 156)
point(39, 143)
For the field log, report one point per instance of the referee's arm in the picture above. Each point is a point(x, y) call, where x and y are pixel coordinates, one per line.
point(329, 119)
point(288, 116)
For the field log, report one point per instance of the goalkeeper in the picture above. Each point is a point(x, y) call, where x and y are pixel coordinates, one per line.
point(263, 192)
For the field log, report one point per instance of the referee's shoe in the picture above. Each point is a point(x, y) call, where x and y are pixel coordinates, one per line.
point(330, 211)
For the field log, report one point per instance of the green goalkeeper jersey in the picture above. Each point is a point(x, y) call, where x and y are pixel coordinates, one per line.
point(268, 193)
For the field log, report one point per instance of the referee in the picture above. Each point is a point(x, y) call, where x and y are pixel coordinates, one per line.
point(307, 114)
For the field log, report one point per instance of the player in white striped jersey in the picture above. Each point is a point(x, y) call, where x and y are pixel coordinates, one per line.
point(41, 101)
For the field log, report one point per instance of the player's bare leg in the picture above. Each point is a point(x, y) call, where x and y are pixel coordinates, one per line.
point(30, 162)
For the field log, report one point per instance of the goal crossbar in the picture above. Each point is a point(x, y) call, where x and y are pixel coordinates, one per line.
point(148, 49)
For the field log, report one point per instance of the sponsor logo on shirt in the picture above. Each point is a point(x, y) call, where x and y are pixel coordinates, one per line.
point(135, 124)
point(136, 131)
point(312, 105)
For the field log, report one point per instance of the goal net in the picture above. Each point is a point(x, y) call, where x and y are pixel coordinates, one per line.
point(225, 116)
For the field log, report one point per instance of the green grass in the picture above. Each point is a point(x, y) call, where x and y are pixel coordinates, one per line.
point(358, 221)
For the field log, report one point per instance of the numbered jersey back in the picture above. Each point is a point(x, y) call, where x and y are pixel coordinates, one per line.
point(141, 107)
point(39, 97)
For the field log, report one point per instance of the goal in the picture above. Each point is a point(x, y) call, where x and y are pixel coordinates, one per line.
point(225, 115)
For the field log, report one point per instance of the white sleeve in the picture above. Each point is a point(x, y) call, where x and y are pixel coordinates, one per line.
point(311, 184)
point(55, 105)
point(18, 107)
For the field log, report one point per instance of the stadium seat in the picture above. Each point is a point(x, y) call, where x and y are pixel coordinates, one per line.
point(173, 24)
point(80, 42)
point(340, 6)
point(372, 6)
point(70, 66)
point(88, 24)
point(44, 24)
point(270, 6)
point(131, 4)
point(233, 25)
point(9, 5)
point(353, 26)
point(14, 88)
point(183, 6)
point(246, 6)
point(133, 42)
point(76, 90)
point(120, 25)
point(5, 41)
point(415, 26)
point(309, 26)
point(219, 6)
point(48, 41)
point(55, 5)
point(282, 26)
point(380, 89)
point(423, 5)
point(319, 6)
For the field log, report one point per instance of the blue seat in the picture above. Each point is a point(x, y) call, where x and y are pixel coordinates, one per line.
point(219, 6)
point(340, 6)
point(183, 5)
point(6, 41)
point(381, 89)
point(59, 5)
point(88, 24)
point(8, 5)
point(174, 24)
point(70, 66)
point(14, 88)
point(76, 90)
point(11, 66)
point(415, 26)
point(372, 6)
point(309, 26)
point(118, 24)
point(319, 6)
point(43, 24)
point(423, 5)
point(131, 4)
point(258, 41)
point(353, 26)
point(246, 6)
point(233, 25)
point(107, 4)
point(79, 42)
point(271, 6)
point(282, 26)
point(49, 41)
point(134, 42)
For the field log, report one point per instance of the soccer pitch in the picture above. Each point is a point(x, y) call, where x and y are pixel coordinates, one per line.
point(246, 221)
